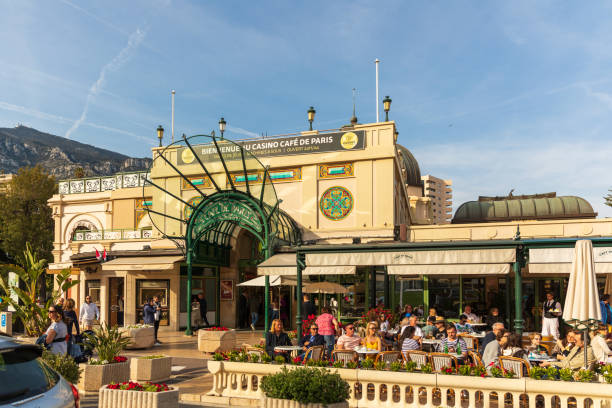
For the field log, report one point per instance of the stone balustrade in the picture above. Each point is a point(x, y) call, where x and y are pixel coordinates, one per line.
point(108, 183)
point(234, 381)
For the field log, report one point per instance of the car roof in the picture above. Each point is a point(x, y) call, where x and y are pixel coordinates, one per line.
point(7, 342)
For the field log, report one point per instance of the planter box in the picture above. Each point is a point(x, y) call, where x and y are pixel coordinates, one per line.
point(95, 376)
point(215, 341)
point(138, 399)
point(140, 338)
point(150, 369)
point(283, 403)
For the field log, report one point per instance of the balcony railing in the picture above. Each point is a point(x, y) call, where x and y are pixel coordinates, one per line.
point(108, 183)
point(113, 235)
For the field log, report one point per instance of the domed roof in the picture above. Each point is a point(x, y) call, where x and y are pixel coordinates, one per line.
point(523, 209)
point(413, 173)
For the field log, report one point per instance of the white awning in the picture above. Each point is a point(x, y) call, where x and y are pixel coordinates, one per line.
point(142, 263)
point(559, 260)
point(460, 269)
point(279, 264)
point(274, 281)
point(440, 257)
point(330, 270)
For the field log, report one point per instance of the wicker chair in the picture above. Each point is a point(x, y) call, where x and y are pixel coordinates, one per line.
point(475, 357)
point(470, 341)
point(442, 360)
point(518, 365)
point(314, 353)
point(421, 358)
point(388, 356)
point(344, 355)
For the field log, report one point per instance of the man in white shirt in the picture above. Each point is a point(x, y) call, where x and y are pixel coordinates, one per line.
point(88, 313)
point(472, 318)
point(551, 310)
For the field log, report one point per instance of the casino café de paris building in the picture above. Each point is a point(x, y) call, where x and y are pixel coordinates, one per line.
point(344, 205)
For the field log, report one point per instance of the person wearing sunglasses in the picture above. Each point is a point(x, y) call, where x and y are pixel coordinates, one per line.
point(57, 331)
point(349, 340)
point(311, 339)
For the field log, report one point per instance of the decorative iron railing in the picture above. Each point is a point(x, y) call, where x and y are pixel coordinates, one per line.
point(108, 183)
point(113, 234)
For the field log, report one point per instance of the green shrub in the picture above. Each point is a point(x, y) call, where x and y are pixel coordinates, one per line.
point(107, 342)
point(566, 374)
point(338, 364)
point(464, 370)
point(410, 366)
point(606, 372)
point(396, 366)
point(380, 366)
point(306, 385)
point(584, 375)
point(509, 374)
point(551, 373)
point(426, 369)
point(352, 364)
point(367, 363)
point(63, 364)
point(279, 360)
point(537, 373)
point(266, 359)
point(497, 372)
point(254, 358)
point(218, 357)
point(243, 357)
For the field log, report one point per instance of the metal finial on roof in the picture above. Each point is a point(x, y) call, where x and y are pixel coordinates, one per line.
point(517, 236)
point(354, 118)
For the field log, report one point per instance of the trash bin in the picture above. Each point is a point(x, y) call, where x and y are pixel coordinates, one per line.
point(6, 323)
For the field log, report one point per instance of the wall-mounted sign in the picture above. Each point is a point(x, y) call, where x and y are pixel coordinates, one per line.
point(306, 144)
point(227, 289)
point(227, 211)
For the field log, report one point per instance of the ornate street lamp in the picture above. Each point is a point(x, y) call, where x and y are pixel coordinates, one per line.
point(222, 124)
point(387, 106)
point(311, 115)
point(160, 134)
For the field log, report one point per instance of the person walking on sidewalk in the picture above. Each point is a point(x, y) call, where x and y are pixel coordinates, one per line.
point(203, 308)
point(254, 304)
point(88, 313)
point(158, 312)
point(148, 312)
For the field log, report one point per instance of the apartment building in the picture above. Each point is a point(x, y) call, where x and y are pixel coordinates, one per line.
point(441, 193)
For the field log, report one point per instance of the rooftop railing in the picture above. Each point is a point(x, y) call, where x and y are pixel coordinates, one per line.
point(106, 183)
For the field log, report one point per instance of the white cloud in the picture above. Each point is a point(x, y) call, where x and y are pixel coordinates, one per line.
point(242, 131)
point(135, 39)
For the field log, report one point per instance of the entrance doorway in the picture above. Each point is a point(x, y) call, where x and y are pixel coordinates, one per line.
point(116, 301)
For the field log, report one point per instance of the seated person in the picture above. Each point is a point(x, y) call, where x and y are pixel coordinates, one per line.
point(432, 312)
point(493, 349)
point(535, 347)
point(563, 347)
point(575, 358)
point(513, 347)
point(600, 347)
point(277, 337)
point(463, 326)
point(453, 344)
point(440, 332)
point(471, 317)
point(371, 341)
point(412, 322)
point(408, 340)
point(312, 339)
point(492, 335)
point(407, 311)
point(383, 323)
point(493, 317)
point(429, 328)
point(349, 340)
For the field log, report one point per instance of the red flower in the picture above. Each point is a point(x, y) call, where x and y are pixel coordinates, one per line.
point(119, 359)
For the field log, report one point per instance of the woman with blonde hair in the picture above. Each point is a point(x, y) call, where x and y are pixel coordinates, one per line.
point(276, 337)
point(70, 316)
point(372, 341)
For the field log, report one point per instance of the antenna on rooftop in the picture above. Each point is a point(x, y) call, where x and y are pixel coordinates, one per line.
point(173, 92)
point(377, 61)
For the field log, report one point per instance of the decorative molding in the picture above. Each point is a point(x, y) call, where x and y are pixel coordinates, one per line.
point(199, 181)
point(277, 176)
point(336, 203)
point(327, 171)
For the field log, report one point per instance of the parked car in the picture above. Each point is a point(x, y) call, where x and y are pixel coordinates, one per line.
point(27, 382)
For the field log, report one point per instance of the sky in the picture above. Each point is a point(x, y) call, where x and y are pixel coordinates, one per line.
point(493, 95)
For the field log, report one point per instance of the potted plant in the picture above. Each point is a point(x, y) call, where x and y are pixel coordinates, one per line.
point(150, 368)
point(305, 388)
point(107, 342)
point(138, 395)
point(141, 336)
point(215, 339)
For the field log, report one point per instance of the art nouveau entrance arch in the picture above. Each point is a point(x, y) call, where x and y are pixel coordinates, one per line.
point(229, 188)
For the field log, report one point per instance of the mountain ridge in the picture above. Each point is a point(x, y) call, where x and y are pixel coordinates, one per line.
point(23, 146)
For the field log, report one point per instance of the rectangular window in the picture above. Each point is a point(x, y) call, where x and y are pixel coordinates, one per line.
point(148, 288)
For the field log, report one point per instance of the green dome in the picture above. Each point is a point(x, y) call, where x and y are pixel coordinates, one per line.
point(413, 173)
point(523, 209)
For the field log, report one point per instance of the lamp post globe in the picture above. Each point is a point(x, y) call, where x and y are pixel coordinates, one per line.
point(160, 134)
point(311, 115)
point(387, 106)
point(222, 125)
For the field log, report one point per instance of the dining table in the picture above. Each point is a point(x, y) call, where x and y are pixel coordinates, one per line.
point(292, 349)
point(364, 352)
